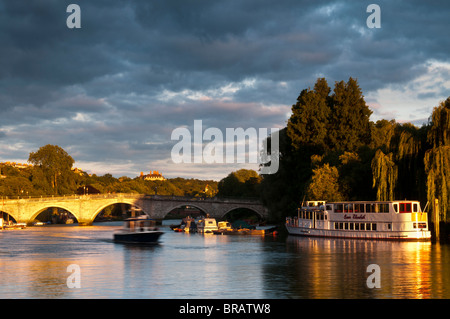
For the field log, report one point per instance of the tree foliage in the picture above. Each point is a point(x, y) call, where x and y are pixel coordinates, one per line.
point(52, 175)
point(310, 115)
point(385, 173)
point(325, 184)
point(349, 124)
point(242, 183)
point(437, 159)
point(56, 166)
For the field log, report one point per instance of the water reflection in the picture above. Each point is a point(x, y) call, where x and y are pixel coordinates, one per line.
point(337, 268)
point(33, 264)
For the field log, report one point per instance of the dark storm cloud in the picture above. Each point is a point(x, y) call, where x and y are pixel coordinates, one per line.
point(114, 90)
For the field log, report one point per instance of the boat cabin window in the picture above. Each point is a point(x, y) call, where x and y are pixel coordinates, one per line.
point(395, 207)
point(359, 208)
point(415, 208)
point(136, 225)
point(405, 207)
point(338, 208)
point(371, 208)
point(320, 216)
point(383, 208)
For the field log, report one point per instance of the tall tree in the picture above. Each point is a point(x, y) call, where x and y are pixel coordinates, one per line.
point(56, 165)
point(307, 126)
point(349, 126)
point(281, 192)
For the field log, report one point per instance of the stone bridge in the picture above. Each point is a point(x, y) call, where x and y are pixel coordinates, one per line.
point(86, 207)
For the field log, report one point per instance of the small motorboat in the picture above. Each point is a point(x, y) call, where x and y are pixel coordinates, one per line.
point(222, 228)
point(140, 230)
point(206, 225)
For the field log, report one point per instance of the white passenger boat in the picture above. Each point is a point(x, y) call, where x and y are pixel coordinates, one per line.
point(390, 220)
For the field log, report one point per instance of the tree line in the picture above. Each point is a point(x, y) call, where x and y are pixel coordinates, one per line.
point(52, 174)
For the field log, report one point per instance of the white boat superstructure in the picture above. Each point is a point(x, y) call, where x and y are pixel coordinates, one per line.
point(388, 220)
point(206, 225)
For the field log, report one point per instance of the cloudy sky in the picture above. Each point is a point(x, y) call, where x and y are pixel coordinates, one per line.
point(112, 92)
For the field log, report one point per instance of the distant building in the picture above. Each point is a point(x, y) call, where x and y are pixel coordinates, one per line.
point(16, 165)
point(153, 176)
point(78, 171)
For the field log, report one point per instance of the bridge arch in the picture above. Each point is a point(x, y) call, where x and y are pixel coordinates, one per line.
point(122, 201)
point(41, 209)
point(178, 205)
point(259, 214)
point(11, 214)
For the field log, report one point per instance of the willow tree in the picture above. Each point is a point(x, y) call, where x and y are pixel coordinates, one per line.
point(437, 159)
point(409, 157)
point(385, 175)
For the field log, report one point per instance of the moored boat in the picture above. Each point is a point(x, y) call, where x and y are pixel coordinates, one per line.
point(386, 220)
point(14, 225)
point(206, 225)
point(138, 230)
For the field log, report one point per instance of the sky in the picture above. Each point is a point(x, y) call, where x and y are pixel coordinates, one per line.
point(112, 92)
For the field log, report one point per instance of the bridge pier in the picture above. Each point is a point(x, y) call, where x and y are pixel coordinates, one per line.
point(85, 223)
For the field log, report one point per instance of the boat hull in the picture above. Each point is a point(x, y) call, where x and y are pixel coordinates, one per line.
point(138, 237)
point(371, 235)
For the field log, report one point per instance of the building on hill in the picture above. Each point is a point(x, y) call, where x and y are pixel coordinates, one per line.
point(16, 165)
point(78, 171)
point(153, 176)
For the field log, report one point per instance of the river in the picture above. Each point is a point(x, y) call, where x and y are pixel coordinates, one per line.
point(34, 264)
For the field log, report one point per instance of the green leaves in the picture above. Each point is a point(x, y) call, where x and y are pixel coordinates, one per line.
point(339, 122)
point(56, 165)
point(242, 183)
point(324, 184)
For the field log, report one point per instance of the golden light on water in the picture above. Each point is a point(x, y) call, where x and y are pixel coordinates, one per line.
point(338, 267)
point(34, 263)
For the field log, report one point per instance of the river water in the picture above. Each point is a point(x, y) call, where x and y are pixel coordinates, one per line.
point(34, 264)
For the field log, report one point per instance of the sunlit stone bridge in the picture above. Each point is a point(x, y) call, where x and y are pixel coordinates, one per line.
point(86, 207)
